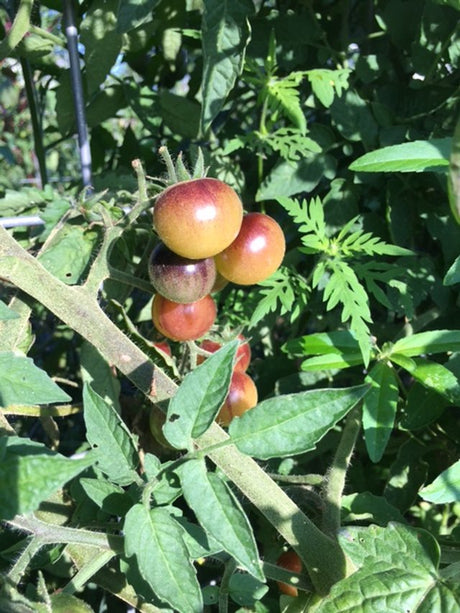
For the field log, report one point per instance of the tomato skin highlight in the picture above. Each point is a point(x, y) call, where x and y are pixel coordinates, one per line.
point(198, 218)
point(183, 322)
point(256, 252)
point(242, 396)
point(291, 561)
point(243, 354)
point(180, 279)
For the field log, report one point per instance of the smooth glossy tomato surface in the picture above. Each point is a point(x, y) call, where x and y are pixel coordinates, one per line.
point(183, 322)
point(198, 218)
point(242, 396)
point(180, 279)
point(291, 561)
point(256, 252)
point(243, 354)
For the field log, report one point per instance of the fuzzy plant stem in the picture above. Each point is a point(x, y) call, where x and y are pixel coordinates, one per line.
point(335, 481)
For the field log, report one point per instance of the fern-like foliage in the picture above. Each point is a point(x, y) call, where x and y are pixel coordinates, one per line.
point(347, 279)
point(285, 291)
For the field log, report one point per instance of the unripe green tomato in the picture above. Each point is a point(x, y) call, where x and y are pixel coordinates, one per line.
point(198, 218)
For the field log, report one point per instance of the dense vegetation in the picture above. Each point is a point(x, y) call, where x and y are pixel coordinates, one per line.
point(339, 119)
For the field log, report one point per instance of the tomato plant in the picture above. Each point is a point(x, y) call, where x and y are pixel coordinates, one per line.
point(198, 218)
point(180, 279)
point(291, 561)
point(256, 252)
point(243, 355)
point(183, 322)
point(242, 396)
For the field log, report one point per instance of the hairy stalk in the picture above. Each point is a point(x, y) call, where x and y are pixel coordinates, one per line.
point(88, 570)
point(52, 533)
point(322, 555)
point(335, 482)
point(230, 567)
point(20, 566)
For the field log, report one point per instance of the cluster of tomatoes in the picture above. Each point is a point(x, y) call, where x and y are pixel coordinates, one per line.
point(206, 241)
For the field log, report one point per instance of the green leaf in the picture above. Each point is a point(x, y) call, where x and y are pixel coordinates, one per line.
point(435, 341)
point(199, 398)
point(156, 540)
point(438, 378)
point(30, 473)
point(445, 488)
point(225, 35)
point(133, 13)
point(288, 178)
point(325, 82)
point(379, 409)
point(396, 573)
point(69, 253)
point(453, 274)
point(95, 371)
point(417, 156)
point(180, 114)
point(105, 430)
point(423, 407)
point(339, 342)
point(366, 506)
point(294, 423)
point(7, 313)
point(21, 382)
point(101, 40)
point(332, 361)
point(109, 497)
point(220, 514)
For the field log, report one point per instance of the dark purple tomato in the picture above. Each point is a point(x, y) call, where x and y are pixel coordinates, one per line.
point(180, 279)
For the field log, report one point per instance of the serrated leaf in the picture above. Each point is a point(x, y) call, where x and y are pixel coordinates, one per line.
point(155, 539)
point(30, 473)
point(379, 409)
point(283, 95)
point(199, 398)
point(21, 382)
point(105, 430)
point(220, 514)
point(7, 313)
point(445, 488)
point(417, 156)
point(435, 341)
point(397, 572)
point(332, 361)
point(225, 35)
point(369, 507)
point(294, 423)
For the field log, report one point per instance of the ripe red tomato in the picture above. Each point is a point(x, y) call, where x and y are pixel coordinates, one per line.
point(180, 279)
point(163, 346)
point(243, 354)
point(291, 561)
point(198, 218)
point(183, 322)
point(256, 252)
point(242, 396)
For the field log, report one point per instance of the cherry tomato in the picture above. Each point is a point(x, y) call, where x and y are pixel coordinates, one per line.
point(242, 396)
point(163, 346)
point(183, 322)
point(291, 561)
point(180, 279)
point(198, 218)
point(256, 252)
point(243, 354)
